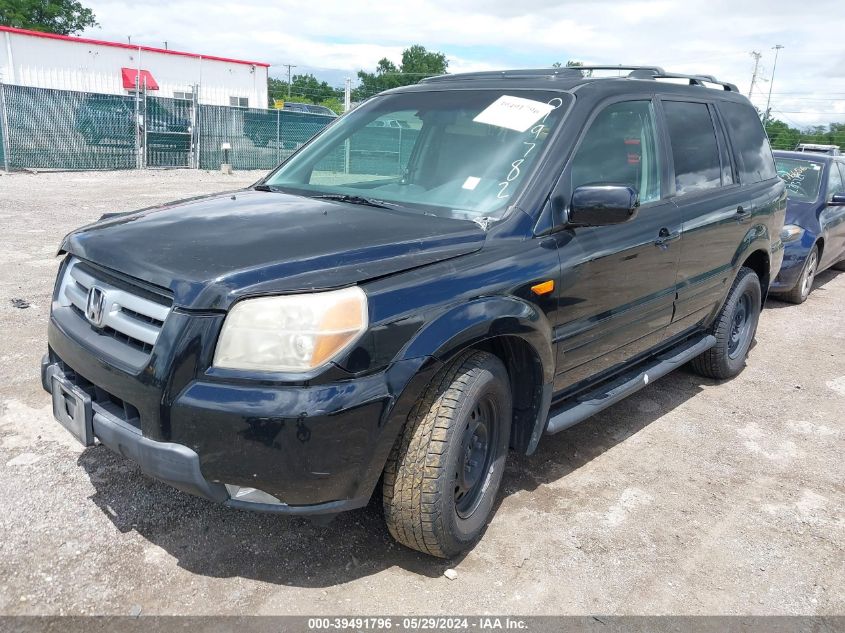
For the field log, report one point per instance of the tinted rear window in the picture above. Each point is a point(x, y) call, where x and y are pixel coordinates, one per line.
point(749, 142)
point(694, 148)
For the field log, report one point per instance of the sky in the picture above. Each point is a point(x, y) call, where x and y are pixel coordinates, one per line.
point(333, 40)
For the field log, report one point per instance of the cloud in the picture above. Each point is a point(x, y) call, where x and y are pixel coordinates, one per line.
point(334, 39)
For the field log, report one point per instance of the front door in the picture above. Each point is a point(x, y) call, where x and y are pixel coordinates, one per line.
point(832, 217)
point(617, 282)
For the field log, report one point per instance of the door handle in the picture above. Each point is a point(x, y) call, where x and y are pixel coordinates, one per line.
point(741, 214)
point(665, 236)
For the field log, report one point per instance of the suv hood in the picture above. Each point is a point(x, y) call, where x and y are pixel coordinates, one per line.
point(210, 251)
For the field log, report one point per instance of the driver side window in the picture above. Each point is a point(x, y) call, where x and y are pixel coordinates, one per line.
point(621, 148)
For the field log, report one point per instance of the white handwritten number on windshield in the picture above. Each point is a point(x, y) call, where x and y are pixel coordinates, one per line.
point(535, 133)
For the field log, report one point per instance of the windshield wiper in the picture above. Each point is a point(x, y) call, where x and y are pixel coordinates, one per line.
point(264, 188)
point(352, 199)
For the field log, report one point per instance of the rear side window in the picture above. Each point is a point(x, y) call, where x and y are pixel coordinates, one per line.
point(749, 142)
point(695, 151)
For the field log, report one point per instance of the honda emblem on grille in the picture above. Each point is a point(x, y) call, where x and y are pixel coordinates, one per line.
point(95, 307)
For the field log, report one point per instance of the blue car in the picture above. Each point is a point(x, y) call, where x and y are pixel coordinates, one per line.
point(814, 233)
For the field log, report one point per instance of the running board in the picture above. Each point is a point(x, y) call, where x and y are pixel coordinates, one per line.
point(582, 407)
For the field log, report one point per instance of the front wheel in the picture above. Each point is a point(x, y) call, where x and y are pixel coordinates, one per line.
point(443, 474)
point(734, 329)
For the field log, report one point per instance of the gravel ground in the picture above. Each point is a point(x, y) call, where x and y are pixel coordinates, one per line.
point(691, 497)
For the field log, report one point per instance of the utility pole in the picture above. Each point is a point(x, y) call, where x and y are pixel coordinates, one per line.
point(756, 55)
point(766, 117)
point(347, 95)
point(289, 66)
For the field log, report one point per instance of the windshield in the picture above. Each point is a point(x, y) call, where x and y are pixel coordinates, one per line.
point(802, 177)
point(460, 154)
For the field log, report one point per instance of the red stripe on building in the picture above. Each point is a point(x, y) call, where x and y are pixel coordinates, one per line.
point(131, 47)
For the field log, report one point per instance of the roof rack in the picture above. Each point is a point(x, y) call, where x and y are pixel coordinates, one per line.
point(575, 72)
point(523, 73)
point(656, 72)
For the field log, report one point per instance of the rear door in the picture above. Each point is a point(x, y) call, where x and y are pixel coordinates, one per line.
point(617, 282)
point(712, 208)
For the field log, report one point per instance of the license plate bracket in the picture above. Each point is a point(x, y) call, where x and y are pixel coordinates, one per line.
point(72, 408)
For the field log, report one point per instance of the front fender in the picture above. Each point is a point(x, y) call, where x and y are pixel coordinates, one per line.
point(467, 324)
point(454, 329)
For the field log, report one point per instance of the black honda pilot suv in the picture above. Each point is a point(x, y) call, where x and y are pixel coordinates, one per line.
point(395, 307)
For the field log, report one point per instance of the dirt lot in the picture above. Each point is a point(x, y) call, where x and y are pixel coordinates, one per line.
point(691, 497)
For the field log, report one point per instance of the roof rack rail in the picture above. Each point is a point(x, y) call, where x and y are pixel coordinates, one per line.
point(634, 72)
point(525, 73)
point(648, 71)
point(656, 72)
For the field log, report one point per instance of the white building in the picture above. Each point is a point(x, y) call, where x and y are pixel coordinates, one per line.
point(46, 60)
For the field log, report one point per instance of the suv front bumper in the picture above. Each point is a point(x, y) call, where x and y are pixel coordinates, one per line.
point(298, 450)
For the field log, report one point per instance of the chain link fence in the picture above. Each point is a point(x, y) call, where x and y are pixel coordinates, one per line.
point(259, 139)
point(41, 128)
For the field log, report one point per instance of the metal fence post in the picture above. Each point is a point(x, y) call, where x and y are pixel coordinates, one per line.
point(195, 137)
point(278, 136)
point(4, 127)
point(144, 154)
point(138, 121)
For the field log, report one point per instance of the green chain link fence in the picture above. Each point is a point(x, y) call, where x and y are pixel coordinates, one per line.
point(41, 128)
point(52, 129)
point(259, 139)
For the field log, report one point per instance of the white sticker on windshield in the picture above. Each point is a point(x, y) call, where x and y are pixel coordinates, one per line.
point(471, 182)
point(513, 113)
point(816, 167)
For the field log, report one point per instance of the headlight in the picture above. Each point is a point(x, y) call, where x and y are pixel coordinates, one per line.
point(293, 332)
point(790, 233)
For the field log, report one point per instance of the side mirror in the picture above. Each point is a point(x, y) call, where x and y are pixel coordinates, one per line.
point(600, 205)
point(837, 199)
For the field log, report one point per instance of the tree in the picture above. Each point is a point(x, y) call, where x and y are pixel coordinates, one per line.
point(65, 17)
point(334, 104)
point(302, 88)
point(417, 63)
point(782, 136)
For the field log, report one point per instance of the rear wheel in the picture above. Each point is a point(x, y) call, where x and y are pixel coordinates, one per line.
point(804, 286)
point(443, 474)
point(734, 329)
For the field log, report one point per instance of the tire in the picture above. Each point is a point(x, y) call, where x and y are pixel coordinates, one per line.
point(734, 329)
point(443, 474)
point(804, 285)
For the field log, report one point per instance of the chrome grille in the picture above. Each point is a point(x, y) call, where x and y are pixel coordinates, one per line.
point(111, 308)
